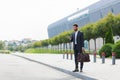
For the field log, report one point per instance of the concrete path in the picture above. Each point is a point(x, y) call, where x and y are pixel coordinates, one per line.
point(92, 70)
point(17, 68)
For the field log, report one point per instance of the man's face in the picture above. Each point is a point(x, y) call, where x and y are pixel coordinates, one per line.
point(75, 28)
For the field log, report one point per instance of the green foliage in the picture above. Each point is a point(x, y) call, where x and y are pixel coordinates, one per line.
point(42, 50)
point(116, 27)
point(5, 51)
point(101, 28)
point(2, 45)
point(118, 42)
point(107, 48)
point(109, 36)
point(37, 44)
point(94, 31)
point(105, 27)
point(104, 24)
point(87, 30)
point(44, 42)
point(116, 49)
point(61, 38)
point(20, 48)
point(110, 20)
point(10, 48)
point(91, 31)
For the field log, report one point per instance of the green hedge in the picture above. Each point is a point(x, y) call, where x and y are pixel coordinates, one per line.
point(117, 42)
point(116, 49)
point(91, 31)
point(107, 48)
point(41, 50)
point(4, 51)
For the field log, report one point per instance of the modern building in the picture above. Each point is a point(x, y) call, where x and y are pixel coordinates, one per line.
point(87, 15)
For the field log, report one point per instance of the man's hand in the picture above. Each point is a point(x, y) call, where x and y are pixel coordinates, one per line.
point(69, 37)
point(83, 50)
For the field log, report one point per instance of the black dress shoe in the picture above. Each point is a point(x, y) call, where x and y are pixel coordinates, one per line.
point(76, 70)
point(81, 71)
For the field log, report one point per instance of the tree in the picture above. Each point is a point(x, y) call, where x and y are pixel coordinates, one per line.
point(37, 44)
point(109, 24)
point(44, 42)
point(101, 29)
point(109, 36)
point(87, 30)
point(94, 35)
point(2, 45)
point(116, 27)
point(10, 48)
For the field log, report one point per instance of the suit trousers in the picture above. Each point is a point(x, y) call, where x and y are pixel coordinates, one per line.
point(76, 52)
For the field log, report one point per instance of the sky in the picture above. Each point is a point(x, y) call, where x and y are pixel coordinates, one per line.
point(30, 18)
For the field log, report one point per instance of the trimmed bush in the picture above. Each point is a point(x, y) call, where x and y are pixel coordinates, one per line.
point(5, 51)
point(117, 42)
point(109, 36)
point(107, 48)
point(116, 49)
point(41, 51)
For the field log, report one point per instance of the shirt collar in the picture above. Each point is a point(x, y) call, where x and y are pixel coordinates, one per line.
point(76, 31)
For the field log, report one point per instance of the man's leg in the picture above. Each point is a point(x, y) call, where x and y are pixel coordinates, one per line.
point(76, 62)
point(81, 66)
point(81, 63)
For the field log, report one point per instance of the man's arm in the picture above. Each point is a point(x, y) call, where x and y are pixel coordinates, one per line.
point(82, 39)
point(71, 38)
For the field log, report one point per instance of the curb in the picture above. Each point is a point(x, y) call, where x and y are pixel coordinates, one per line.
point(83, 77)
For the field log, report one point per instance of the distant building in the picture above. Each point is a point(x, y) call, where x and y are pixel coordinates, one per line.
point(22, 42)
point(89, 14)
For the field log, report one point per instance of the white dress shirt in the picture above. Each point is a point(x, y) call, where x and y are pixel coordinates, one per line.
point(76, 37)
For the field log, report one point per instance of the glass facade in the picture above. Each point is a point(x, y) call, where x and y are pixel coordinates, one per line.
point(90, 14)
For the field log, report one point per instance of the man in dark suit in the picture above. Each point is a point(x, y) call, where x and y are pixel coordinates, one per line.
point(78, 46)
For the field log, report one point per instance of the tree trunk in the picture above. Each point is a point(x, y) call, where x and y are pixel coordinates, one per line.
point(89, 45)
point(103, 41)
point(95, 44)
point(70, 47)
point(58, 48)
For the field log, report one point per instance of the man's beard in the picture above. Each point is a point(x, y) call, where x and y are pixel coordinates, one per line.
point(75, 29)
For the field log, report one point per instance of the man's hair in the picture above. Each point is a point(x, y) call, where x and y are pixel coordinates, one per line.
point(75, 25)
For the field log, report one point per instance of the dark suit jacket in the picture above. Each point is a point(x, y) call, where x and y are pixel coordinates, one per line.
point(80, 40)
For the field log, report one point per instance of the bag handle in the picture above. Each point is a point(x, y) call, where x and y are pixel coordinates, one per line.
point(83, 52)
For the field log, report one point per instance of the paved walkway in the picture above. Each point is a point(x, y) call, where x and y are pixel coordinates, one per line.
point(16, 68)
point(91, 70)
